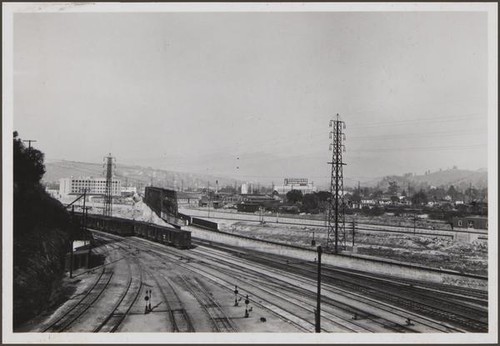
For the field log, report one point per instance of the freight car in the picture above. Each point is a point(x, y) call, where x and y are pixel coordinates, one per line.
point(126, 227)
point(164, 235)
point(114, 225)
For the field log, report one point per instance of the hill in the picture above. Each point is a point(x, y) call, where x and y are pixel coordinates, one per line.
point(461, 179)
point(135, 175)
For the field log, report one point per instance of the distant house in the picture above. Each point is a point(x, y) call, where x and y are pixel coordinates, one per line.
point(368, 202)
point(385, 200)
point(475, 222)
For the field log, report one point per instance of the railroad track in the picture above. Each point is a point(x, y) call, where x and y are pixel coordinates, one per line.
point(295, 294)
point(304, 323)
point(180, 320)
point(178, 315)
point(407, 304)
point(300, 321)
point(124, 304)
point(279, 312)
point(369, 227)
point(451, 310)
point(64, 322)
point(221, 322)
point(433, 304)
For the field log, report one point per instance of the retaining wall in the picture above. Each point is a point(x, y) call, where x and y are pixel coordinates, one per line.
point(346, 261)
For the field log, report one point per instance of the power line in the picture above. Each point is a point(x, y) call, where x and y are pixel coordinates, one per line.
point(426, 135)
point(434, 148)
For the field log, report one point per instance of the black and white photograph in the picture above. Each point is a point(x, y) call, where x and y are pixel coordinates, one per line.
point(250, 173)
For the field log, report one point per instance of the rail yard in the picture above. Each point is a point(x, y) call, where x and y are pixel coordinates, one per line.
point(146, 286)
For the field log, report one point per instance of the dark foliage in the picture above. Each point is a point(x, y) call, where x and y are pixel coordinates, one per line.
point(42, 230)
point(294, 196)
point(310, 203)
point(419, 198)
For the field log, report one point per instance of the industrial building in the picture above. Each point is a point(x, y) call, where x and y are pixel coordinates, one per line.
point(300, 184)
point(475, 222)
point(93, 186)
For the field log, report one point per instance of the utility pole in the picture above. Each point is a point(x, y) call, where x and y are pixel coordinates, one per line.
point(336, 216)
point(209, 197)
point(108, 194)
point(84, 225)
point(414, 222)
point(29, 142)
point(353, 232)
point(318, 297)
point(71, 256)
point(470, 192)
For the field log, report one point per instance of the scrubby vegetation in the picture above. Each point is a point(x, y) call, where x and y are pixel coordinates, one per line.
point(42, 231)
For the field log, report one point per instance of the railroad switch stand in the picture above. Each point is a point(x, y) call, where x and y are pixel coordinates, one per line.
point(147, 298)
point(235, 295)
point(247, 301)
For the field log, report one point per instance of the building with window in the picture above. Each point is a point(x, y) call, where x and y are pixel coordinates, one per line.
point(300, 184)
point(93, 186)
point(476, 222)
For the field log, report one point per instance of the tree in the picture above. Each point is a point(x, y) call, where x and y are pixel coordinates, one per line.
point(310, 203)
point(294, 196)
point(452, 192)
point(356, 197)
point(28, 164)
point(376, 194)
point(393, 188)
point(323, 196)
point(419, 198)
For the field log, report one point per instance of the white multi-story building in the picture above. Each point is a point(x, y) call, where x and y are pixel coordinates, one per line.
point(93, 186)
point(300, 184)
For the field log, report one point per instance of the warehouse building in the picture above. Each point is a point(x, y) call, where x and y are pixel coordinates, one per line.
point(93, 186)
point(300, 184)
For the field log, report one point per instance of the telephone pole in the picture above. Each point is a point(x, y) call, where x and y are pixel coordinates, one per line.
point(318, 295)
point(336, 218)
point(29, 142)
point(108, 192)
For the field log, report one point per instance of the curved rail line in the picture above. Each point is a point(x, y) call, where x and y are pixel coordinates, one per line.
point(414, 299)
point(181, 322)
point(220, 321)
point(77, 310)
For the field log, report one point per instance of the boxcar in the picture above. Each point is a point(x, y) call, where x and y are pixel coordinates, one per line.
point(125, 227)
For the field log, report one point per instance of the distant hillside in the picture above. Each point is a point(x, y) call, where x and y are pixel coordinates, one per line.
point(134, 175)
point(459, 178)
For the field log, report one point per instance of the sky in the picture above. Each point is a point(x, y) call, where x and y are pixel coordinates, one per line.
point(250, 95)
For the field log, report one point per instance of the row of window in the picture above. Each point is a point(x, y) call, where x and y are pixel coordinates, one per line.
point(470, 224)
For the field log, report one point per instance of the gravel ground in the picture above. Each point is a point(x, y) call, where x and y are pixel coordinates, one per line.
point(433, 252)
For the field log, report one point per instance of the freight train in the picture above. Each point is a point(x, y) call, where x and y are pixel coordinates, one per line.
point(126, 227)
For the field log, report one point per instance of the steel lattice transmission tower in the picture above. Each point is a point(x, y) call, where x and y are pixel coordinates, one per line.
point(108, 192)
point(336, 238)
